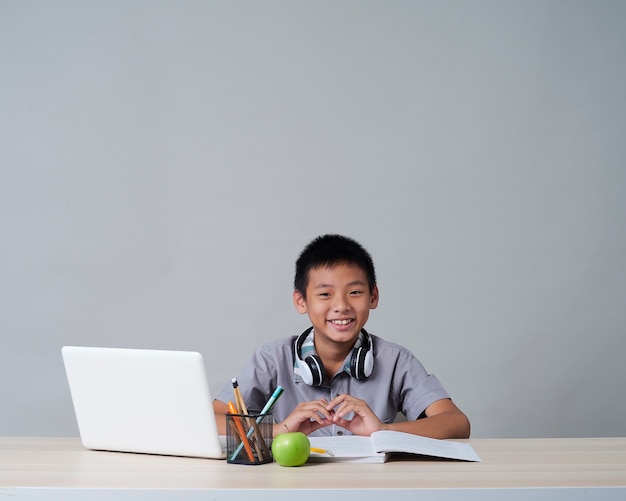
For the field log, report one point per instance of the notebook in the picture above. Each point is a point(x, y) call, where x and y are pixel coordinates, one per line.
point(143, 401)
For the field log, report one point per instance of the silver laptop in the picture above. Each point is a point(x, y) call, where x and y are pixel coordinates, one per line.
point(145, 401)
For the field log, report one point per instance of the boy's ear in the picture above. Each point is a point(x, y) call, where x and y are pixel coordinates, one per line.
point(299, 302)
point(374, 298)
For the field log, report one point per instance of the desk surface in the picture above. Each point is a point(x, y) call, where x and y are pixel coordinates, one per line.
point(62, 463)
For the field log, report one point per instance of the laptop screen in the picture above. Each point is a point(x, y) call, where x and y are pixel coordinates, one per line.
point(144, 401)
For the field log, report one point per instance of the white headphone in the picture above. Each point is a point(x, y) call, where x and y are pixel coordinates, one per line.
point(312, 370)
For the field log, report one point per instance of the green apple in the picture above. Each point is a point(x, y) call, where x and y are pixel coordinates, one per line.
point(291, 449)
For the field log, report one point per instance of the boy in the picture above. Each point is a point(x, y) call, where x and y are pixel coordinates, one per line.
point(337, 378)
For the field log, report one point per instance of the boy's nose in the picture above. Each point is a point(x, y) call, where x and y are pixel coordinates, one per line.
point(340, 304)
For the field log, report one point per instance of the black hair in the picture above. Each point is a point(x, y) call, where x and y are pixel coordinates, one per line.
point(329, 250)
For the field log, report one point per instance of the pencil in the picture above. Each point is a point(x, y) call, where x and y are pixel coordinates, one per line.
point(241, 404)
point(268, 407)
point(244, 439)
point(321, 451)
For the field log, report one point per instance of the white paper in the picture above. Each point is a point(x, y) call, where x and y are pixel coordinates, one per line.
point(394, 441)
point(374, 448)
point(351, 448)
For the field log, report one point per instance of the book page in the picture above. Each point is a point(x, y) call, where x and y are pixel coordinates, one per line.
point(350, 446)
point(394, 441)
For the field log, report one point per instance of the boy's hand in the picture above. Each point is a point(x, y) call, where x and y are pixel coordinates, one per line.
point(364, 421)
point(306, 418)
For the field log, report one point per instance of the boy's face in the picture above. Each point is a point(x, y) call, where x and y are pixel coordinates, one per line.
point(338, 301)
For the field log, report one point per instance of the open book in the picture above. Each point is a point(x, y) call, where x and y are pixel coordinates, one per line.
point(380, 446)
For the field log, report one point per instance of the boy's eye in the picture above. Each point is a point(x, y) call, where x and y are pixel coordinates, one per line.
point(324, 294)
point(356, 293)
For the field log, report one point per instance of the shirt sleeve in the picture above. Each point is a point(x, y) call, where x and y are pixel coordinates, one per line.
point(417, 388)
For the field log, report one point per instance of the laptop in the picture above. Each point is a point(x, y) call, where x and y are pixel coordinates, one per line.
point(143, 401)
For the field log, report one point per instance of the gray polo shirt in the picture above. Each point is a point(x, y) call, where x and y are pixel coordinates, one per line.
point(398, 383)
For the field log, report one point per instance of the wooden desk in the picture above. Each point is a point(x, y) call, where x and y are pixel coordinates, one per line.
point(511, 469)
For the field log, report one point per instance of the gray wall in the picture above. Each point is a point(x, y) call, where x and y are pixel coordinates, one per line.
point(163, 163)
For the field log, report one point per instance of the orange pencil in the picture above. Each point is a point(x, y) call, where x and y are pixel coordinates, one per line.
point(258, 439)
point(233, 410)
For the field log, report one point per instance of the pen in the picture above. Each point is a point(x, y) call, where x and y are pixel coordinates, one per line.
point(268, 407)
point(270, 403)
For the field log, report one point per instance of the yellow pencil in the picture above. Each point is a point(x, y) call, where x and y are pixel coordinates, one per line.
point(241, 405)
point(321, 451)
point(263, 452)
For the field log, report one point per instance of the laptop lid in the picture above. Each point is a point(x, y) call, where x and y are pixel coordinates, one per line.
point(145, 401)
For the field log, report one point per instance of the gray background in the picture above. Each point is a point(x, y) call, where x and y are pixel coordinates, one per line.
point(163, 163)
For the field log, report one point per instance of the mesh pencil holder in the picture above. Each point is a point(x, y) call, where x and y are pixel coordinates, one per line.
point(249, 438)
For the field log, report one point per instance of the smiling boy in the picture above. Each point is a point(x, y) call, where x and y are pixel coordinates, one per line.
point(338, 378)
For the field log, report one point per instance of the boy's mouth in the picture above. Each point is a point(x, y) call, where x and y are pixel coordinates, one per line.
point(344, 321)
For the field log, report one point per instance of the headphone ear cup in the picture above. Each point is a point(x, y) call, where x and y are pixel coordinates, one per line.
point(368, 364)
point(311, 368)
point(305, 371)
point(357, 364)
point(315, 369)
point(362, 362)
